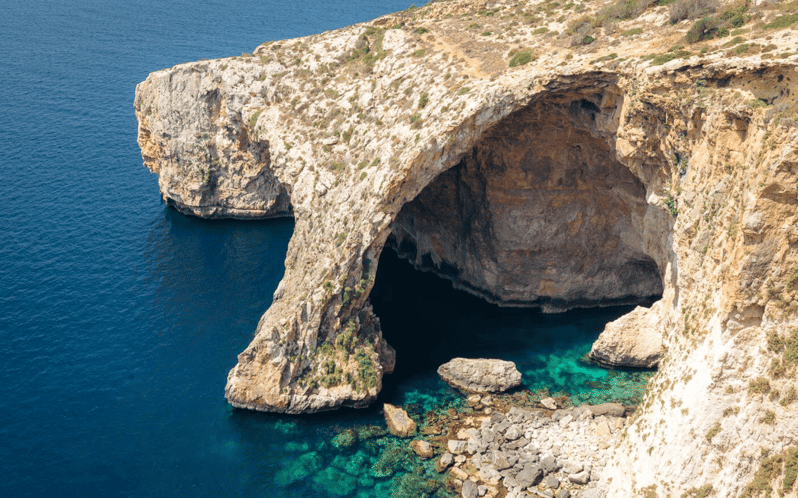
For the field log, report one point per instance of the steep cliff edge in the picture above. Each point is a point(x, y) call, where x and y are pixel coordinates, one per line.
point(607, 171)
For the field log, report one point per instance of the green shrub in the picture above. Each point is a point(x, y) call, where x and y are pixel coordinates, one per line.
point(702, 492)
point(624, 9)
point(703, 29)
point(522, 57)
point(423, 100)
point(790, 471)
point(713, 432)
point(692, 9)
point(734, 41)
point(782, 22)
point(419, 53)
point(632, 32)
point(254, 119)
point(759, 386)
point(768, 418)
point(658, 61)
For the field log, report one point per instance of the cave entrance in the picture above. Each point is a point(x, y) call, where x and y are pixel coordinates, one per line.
point(428, 322)
point(538, 214)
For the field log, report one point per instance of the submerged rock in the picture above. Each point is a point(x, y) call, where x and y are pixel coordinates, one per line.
point(345, 440)
point(480, 375)
point(399, 422)
point(299, 469)
point(422, 448)
point(335, 482)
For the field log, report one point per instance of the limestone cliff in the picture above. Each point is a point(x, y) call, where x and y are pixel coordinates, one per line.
point(614, 161)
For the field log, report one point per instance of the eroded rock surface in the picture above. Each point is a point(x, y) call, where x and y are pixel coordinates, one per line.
point(398, 421)
point(480, 375)
point(590, 175)
point(633, 340)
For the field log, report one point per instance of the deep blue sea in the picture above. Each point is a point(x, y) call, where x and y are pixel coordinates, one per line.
point(120, 318)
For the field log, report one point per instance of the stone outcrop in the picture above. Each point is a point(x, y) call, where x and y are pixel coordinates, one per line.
point(594, 174)
point(480, 375)
point(633, 340)
point(398, 421)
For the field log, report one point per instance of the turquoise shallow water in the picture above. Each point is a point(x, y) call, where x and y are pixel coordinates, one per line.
point(120, 318)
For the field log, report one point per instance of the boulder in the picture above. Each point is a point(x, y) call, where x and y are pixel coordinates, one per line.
point(580, 478)
point(480, 375)
point(609, 409)
point(399, 422)
point(446, 461)
point(531, 475)
point(469, 489)
point(633, 340)
point(552, 482)
point(549, 464)
point(422, 448)
point(457, 446)
point(549, 403)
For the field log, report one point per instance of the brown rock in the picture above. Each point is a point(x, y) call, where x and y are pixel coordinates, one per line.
point(399, 422)
point(422, 448)
point(480, 375)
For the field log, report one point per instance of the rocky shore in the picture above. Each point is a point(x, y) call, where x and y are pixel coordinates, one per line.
point(532, 452)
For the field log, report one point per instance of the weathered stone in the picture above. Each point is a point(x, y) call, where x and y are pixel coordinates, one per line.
point(422, 448)
point(633, 340)
point(457, 446)
point(572, 467)
point(549, 464)
point(580, 477)
point(609, 409)
point(593, 493)
point(446, 460)
point(529, 476)
point(513, 433)
point(458, 473)
point(549, 403)
point(551, 482)
point(562, 493)
point(480, 375)
point(469, 489)
point(399, 422)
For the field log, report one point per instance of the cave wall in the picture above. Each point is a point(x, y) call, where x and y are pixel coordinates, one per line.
point(538, 213)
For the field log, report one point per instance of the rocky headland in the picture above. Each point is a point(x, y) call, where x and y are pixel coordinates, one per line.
point(535, 153)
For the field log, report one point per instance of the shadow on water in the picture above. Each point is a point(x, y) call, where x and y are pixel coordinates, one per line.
point(428, 322)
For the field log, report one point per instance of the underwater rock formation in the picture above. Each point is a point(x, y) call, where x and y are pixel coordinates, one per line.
point(604, 172)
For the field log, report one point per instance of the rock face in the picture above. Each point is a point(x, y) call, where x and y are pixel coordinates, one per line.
point(542, 183)
point(399, 422)
point(590, 175)
point(480, 375)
